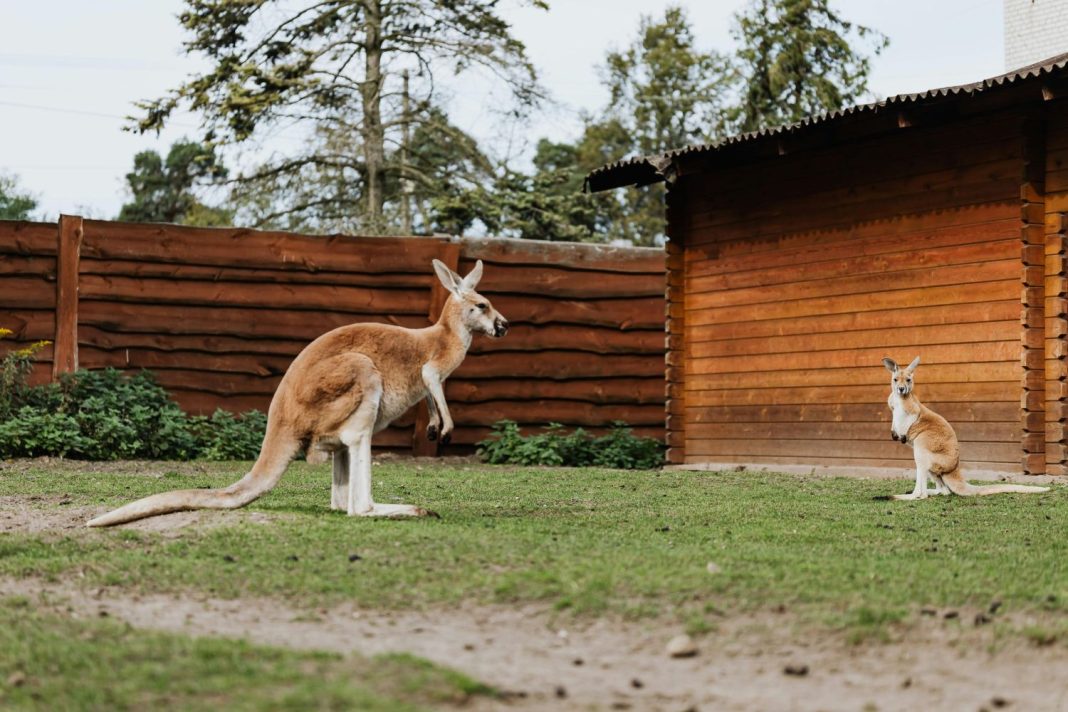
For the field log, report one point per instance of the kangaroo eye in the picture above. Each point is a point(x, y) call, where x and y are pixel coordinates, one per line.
point(482, 306)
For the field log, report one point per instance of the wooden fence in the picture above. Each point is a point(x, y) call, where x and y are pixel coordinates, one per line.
point(218, 314)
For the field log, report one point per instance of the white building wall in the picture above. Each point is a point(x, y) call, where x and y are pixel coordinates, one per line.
point(1034, 30)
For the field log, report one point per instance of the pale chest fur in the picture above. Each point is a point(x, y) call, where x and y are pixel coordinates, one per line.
point(401, 394)
point(902, 418)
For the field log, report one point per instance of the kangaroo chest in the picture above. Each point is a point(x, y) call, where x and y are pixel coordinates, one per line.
point(902, 418)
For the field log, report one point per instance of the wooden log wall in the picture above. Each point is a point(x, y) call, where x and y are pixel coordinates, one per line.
point(1056, 287)
point(803, 272)
point(218, 314)
point(586, 343)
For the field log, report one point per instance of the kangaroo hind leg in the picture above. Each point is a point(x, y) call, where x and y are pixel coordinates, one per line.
point(923, 469)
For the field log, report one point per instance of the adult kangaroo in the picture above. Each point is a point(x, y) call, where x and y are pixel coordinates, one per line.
point(341, 389)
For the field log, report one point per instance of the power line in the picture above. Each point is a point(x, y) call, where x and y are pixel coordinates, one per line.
point(79, 112)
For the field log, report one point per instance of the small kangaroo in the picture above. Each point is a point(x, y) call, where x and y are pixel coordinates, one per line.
point(342, 388)
point(933, 442)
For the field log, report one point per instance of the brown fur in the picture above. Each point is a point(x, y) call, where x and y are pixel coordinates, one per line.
point(933, 440)
point(343, 386)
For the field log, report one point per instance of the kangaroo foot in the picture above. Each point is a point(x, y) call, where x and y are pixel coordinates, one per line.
point(396, 511)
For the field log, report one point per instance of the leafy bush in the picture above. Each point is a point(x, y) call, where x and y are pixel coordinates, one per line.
point(619, 449)
point(225, 436)
point(104, 415)
point(15, 370)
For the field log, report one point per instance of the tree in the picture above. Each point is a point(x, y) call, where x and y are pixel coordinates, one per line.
point(14, 203)
point(533, 207)
point(336, 67)
point(798, 59)
point(165, 191)
point(664, 93)
point(664, 90)
point(324, 196)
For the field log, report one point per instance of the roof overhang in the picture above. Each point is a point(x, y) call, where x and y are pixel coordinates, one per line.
point(1038, 82)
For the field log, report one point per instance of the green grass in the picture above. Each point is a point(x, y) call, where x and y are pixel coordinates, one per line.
point(49, 662)
point(588, 541)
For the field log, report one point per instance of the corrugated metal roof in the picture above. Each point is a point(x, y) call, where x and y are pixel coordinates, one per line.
point(642, 170)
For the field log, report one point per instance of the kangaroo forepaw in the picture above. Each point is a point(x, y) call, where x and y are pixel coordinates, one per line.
point(432, 432)
point(446, 438)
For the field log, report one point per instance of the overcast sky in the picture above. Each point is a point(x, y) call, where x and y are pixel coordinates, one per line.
point(70, 71)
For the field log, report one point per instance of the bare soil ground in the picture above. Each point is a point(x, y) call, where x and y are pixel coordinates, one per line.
point(764, 662)
point(45, 515)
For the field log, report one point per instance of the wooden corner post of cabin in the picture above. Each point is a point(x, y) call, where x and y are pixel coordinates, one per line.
point(450, 255)
point(68, 259)
point(674, 337)
point(1056, 346)
point(1033, 312)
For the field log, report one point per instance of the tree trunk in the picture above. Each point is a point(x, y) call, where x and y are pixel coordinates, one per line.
point(374, 150)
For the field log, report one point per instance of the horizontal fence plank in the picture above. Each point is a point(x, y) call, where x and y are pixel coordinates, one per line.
point(583, 256)
point(26, 292)
point(357, 300)
point(28, 238)
point(28, 324)
point(225, 321)
point(235, 273)
point(258, 249)
point(559, 411)
point(593, 390)
point(43, 267)
point(559, 283)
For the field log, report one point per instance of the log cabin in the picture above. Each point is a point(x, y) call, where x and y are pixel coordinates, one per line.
point(928, 224)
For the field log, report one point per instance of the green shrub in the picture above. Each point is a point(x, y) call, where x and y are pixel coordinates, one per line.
point(31, 433)
point(622, 450)
point(619, 449)
point(15, 370)
point(225, 436)
point(105, 415)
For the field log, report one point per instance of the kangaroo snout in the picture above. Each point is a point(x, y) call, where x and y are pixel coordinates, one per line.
point(500, 327)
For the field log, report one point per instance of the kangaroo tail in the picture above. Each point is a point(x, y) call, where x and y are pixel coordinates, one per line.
point(958, 485)
point(274, 458)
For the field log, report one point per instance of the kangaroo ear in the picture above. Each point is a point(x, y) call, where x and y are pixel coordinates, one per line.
point(913, 365)
point(890, 364)
point(449, 279)
point(473, 278)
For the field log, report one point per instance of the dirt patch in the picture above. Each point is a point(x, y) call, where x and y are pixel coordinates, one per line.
point(146, 468)
point(749, 663)
point(55, 515)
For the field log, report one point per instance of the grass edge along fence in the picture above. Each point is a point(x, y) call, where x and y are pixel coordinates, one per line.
point(218, 314)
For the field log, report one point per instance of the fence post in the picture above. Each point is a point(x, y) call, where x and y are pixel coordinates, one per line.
point(450, 255)
point(68, 257)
